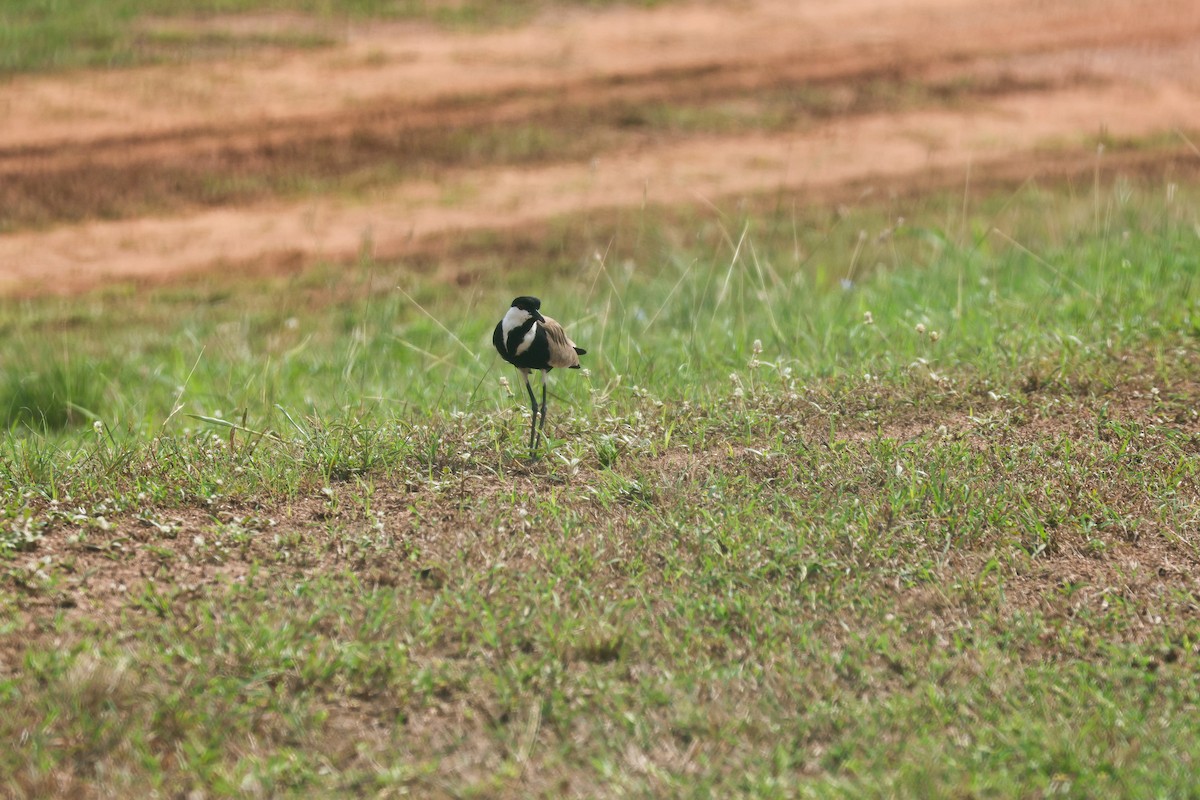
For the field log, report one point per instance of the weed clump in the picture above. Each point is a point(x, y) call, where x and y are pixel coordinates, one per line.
point(54, 395)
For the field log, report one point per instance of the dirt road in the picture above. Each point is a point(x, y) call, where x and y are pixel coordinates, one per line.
point(401, 134)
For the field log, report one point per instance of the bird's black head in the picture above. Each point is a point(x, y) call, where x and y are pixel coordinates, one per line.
point(530, 305)
point(527, 303)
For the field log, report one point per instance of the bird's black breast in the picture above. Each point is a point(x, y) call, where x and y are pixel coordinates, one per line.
point(536, 357)
point(498, 340)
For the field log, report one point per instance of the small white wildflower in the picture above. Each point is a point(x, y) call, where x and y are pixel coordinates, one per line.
point(1154, 391)
point(934, 336)
point(868, 318)
point(756, 348)
point(585, 372)
point(98, 427)
point(920, 327)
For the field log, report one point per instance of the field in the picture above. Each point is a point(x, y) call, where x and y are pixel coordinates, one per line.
point(881, 479)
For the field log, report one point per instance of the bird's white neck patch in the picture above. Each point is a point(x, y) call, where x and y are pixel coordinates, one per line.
point(513, 319)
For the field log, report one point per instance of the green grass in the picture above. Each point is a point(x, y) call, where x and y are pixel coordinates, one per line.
point(51, 394)
point(303, 553)
point(41, 35)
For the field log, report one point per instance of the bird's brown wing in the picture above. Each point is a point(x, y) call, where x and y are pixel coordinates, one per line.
point(562, 349)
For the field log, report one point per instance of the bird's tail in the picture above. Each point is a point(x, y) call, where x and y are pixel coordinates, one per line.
point(581, 351)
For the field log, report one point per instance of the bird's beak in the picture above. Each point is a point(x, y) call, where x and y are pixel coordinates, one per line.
point(538, 316)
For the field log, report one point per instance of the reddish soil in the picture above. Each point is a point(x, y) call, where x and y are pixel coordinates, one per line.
point(106, 170)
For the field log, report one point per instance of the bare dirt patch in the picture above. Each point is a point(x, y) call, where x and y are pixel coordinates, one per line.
point(1031, 80)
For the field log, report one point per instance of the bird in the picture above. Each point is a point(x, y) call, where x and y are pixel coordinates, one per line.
point(529, 341)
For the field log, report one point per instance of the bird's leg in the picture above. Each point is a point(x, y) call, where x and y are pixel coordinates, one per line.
point(542, 426)
point(533, 422)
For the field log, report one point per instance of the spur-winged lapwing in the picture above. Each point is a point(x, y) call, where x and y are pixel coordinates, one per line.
point(529, 341)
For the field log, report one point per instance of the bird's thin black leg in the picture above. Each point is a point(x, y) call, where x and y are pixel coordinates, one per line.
point(542, 426)
point(533, 422)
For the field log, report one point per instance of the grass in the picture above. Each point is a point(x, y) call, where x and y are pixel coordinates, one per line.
point(53, 394)
point(303, 553)
point(44, 35)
